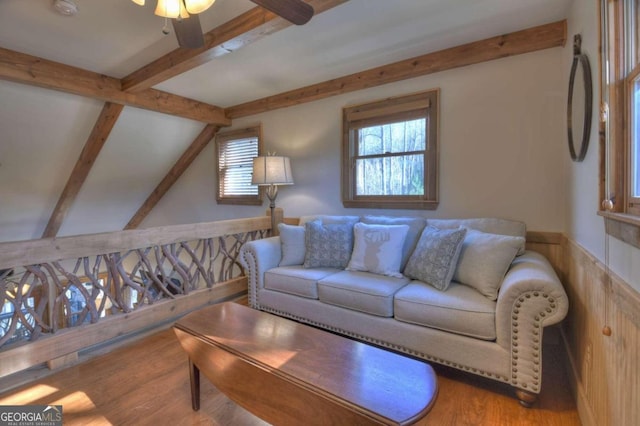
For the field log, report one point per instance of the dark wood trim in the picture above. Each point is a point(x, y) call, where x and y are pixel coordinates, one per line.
point(529, 40)
point(101, 130)
point(174, 174)
point(26, 69)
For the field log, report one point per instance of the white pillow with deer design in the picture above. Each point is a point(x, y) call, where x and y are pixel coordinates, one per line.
point(378, 248)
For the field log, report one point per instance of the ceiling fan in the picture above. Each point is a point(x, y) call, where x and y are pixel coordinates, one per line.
point(186, 23)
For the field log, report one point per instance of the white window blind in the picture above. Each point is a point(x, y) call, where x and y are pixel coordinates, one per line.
point(235, 153)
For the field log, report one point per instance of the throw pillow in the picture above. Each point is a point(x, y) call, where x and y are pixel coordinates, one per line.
point(416, 225)
point(291, 244)
point(378, 248)
point(435, 257)
point(327, 245)
point(485, 259)
point(489, 225)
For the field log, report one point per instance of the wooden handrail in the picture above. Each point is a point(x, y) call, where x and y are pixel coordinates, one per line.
point(18, 253)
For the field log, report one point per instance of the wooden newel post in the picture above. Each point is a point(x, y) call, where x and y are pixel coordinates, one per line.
point(278, 217)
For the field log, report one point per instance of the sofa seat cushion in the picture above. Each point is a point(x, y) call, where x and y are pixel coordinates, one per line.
point(296, 280)
point(361, 291)
point(460, 309)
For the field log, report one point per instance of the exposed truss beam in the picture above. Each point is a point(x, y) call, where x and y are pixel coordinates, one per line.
point(95, 142)
point(174, 174)
point(228, 37)
point(529, 40)
point(27, 69)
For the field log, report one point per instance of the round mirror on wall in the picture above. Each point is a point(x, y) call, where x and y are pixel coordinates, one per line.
point(579, 103)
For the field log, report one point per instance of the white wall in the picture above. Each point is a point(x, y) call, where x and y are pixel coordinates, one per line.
point(502, 150)
point(583, 224)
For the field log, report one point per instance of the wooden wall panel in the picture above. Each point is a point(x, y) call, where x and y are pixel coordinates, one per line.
point(605, 369)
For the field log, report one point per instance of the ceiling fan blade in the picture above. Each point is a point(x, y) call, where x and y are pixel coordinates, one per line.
point(188, 32)
point(295, 11)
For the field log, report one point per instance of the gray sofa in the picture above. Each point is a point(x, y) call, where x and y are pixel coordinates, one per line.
point(458, 317)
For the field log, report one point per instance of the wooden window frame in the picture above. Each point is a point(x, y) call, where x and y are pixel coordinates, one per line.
point(619, 65)
point(226, 137)
point(418, 105)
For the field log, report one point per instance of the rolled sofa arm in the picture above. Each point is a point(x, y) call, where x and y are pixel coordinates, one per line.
point(256, 257)
point(531, 297)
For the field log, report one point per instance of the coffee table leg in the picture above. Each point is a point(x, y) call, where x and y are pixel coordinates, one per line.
point(194, 375)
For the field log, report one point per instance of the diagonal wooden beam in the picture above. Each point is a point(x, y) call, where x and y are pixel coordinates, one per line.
point(27, 69)
point(95, 142)
point(174, 174)
point(228, 37)
point(529, 40)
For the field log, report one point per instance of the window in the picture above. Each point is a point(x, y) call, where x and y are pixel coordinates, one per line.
point(235, 152)
point(390, 153)
point(620, 104)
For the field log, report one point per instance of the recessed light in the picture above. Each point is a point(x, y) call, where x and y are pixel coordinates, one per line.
point(65, 7)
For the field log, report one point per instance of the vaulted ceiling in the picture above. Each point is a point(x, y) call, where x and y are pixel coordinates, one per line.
point(44, 132)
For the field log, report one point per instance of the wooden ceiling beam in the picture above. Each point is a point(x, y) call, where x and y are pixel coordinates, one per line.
point(228, 37)
point(525, 41)
point(31, 70)
point(196, 147)
point(101, 130)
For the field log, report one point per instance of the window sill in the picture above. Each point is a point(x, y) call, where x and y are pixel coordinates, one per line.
point(624, 227)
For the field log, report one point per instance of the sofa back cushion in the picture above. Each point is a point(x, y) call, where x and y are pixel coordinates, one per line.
point(327, 219)
point(415, 224)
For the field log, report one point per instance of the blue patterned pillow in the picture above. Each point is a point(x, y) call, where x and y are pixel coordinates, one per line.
point(435, 258)
point(327, 245)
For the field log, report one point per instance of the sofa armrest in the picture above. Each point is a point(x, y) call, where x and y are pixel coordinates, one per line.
point(257, 257)
point(531, 297)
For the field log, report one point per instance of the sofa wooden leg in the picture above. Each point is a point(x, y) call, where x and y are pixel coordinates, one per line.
point(526, 398)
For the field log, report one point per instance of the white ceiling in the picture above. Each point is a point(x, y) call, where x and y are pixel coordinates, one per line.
point(116, 37)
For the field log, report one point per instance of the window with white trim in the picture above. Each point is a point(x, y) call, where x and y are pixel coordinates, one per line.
point(235, 151)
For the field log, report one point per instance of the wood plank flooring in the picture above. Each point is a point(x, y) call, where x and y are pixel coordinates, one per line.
point(147, 383)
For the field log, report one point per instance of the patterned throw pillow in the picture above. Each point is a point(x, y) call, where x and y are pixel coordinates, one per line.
point(327, 245)
point(435, 257)
point(291, 244)
point(378, 249)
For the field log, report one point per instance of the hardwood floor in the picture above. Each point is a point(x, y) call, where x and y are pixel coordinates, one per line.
point(147, 383)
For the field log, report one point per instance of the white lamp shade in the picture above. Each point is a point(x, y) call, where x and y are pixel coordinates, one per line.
point(272, 170)
point(168, 8)
point(198, 6)
point(139, 2)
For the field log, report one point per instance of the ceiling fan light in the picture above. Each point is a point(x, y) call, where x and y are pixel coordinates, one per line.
point(138, 2)
point(168, 8)
point(198, 6)
point(65, 7)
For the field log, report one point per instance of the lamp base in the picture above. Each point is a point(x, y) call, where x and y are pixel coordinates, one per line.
point(277, 216)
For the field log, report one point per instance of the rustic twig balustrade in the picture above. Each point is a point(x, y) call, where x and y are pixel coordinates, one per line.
point(62, 295)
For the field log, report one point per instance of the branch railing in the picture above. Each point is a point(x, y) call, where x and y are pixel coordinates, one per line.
point(54, 285)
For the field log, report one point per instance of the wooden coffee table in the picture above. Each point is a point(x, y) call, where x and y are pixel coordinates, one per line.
point(289, 373)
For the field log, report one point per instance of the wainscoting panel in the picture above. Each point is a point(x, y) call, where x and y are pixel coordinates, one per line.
point(605, 370)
